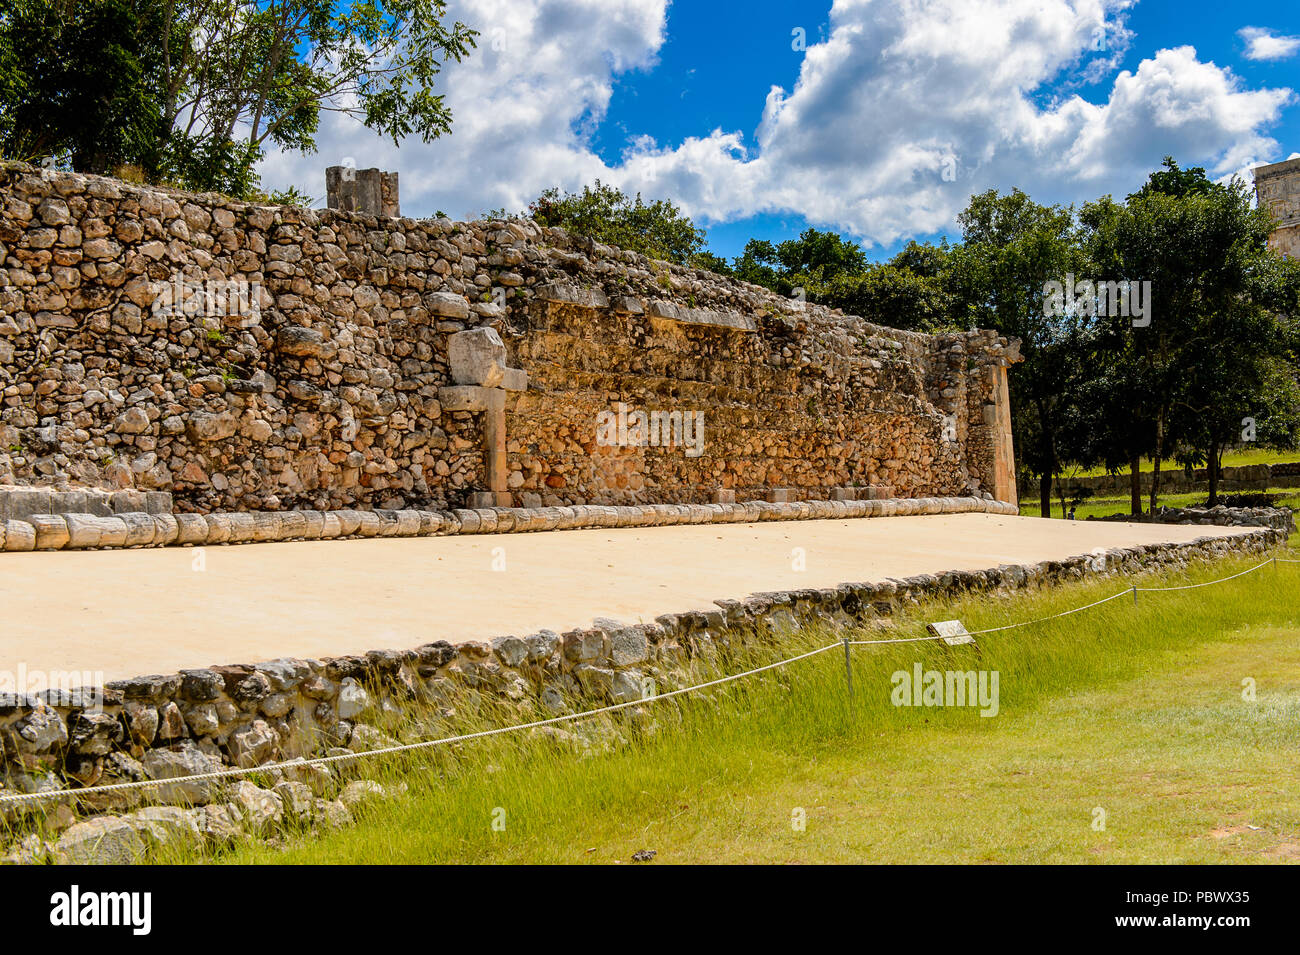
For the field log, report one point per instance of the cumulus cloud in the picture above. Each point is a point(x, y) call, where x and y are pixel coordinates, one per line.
point(542, 76)
point(1264, 44)
point(898, 115)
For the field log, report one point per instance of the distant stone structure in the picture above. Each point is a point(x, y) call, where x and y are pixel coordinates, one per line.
point(1277, 187)
point(369, 191)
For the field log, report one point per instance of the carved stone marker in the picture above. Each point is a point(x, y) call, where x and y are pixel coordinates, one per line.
point(371, 191)
point(478, 368)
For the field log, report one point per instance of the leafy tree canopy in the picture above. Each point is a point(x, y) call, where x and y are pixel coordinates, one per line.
point(658, 229)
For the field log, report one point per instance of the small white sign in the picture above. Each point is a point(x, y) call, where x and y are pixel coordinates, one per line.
point(953, 632)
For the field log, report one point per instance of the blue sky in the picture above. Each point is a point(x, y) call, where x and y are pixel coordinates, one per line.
point(881, 126)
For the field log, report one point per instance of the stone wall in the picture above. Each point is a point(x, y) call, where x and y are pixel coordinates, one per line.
point(1281, 519)
point(1252, 477)
point(244, 357)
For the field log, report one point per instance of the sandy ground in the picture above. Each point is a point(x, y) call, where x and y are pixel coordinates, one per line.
point(129, 612)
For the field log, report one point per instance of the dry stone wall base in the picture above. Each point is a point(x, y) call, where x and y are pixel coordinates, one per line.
point(1279, 518)
point(171, 725)
point(1257, 477)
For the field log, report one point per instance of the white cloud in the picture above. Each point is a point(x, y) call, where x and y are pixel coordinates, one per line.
point(1264, 44)
point(542, 72)
point(897, 94)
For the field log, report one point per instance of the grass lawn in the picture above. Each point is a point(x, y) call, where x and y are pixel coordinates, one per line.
point(1231, 459)
point(1103, 506)
point(1134, 710)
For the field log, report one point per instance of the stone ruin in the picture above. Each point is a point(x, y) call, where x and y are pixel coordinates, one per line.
point(242, 357)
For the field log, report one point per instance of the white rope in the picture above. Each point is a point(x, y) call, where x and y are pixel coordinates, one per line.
point(10, 798)
point(1063, 613)
point(402, 748)
point(872, 643)
point(1152, 590)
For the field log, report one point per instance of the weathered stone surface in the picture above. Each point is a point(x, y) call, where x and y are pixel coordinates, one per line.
point(104, 840)
point(321, 387)
point(252, 745)
point(353, 700)
point(360, 791)
point(477, 357)
point(259, 807)
point(182, 759)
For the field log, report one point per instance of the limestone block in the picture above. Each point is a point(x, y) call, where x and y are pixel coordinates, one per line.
point(140, 528)
point(477, 357)
point(91, 530)
point(191, 529)
point(266, 525)
point(166, 529)
point(51, 531)
point(293, 525)
point(447, 305)
point(313, 525)
point(219, 528)
point(243, 527)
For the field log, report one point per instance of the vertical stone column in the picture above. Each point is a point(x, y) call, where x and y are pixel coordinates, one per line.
point(482, 381)
point(362, 190)
point(1004, 453)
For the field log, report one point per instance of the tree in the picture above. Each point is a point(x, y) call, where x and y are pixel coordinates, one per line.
point(1012, 247)
point(1246, 390)
point(78, 81)
point(240, 75)
point(1212, 341)
point(893, 295)
point(605, 213)
point(811, 262)
point(196, 91)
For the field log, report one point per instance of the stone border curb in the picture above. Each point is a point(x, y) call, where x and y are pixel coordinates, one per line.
point(79, 531)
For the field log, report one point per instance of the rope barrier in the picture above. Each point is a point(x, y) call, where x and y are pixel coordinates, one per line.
point(10, 798)
point(1154, 590)
point(1064, 613)
point(20, 798)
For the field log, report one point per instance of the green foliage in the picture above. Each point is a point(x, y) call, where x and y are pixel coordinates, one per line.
point(291, 197)
point(710, 263)
point(910, 291)
point(1221, 344)
point(606, 214)
point(79, 79)
point(195, 91)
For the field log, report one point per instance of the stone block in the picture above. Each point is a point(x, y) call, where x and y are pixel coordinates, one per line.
point(477, 357)
point(51, 531)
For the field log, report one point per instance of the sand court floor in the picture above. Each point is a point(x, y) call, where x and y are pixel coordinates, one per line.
point(124, 613)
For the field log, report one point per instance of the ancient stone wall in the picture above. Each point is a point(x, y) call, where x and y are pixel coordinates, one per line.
point(246, 357)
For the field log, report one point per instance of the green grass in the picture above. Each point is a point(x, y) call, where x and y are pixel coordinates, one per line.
point(1137, 710)
point(1231, 459)
point(1104, 506)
